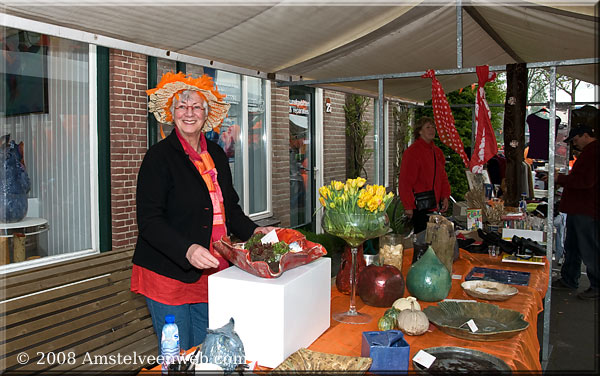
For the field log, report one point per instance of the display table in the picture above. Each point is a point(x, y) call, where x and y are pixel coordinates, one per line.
point(28, 226)
point(520, 352)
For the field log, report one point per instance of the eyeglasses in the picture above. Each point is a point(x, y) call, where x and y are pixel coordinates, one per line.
point(183, 108)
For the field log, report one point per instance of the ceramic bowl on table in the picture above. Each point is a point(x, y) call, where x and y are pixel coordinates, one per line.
point(451, 360)
point(489, 290)
point(493, 323)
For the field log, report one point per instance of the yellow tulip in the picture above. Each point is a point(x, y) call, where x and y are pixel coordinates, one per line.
point(322, 201)
point(360, 181)
point(323, 191)
point(380, 190)
point(339, 185)
point(332, 205)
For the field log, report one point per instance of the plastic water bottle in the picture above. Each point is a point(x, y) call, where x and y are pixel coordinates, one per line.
point(169, 344)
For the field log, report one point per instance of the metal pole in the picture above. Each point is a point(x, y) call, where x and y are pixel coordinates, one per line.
point(473, 129)
point(440, 72)
point(459, 35)
point(550, 217)
point(381, 136)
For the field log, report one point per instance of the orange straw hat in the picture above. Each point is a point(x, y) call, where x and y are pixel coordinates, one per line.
point(161, 98)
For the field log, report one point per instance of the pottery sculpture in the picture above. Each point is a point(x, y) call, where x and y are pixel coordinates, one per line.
point(428, 279)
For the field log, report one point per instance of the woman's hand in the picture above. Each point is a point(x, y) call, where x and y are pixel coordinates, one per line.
point(408, 213)
point(201, 258)
point(264, 230)
point(444, 204)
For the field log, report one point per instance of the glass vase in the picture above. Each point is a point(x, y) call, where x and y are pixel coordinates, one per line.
point(354, 229)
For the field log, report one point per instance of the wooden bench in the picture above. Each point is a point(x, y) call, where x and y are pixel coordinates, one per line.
point(75, 315)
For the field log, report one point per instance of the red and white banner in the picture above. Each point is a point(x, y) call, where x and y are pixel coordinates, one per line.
point(485, 140)
point(444, 121)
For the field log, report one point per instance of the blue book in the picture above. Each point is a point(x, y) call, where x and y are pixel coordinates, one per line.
point(509, 277)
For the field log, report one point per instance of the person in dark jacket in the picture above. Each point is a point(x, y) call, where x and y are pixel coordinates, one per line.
point(185, 201)
point(581, 202)
point(423, 169)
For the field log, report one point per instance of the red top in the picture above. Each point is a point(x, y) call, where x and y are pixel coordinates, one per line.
point(416, 173)
point(170, 291)
point(581, 188)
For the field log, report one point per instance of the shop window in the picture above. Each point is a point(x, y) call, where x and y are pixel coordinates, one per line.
point(257, 146)
point(45, 105)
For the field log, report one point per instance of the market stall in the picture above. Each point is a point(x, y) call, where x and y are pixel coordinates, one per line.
point(520, 352)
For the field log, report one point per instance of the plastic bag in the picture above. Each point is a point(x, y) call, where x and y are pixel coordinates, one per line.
point(224, 347)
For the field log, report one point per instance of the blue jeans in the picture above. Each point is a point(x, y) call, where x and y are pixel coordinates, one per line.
point(191, 320)
point(559, 224)
point(581, 244)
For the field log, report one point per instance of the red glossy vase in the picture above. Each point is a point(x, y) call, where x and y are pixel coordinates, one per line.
point(342, 279)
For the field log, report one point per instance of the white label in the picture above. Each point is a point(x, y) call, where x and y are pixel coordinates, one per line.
point(271, 237)
point(424, 358)
point(456, 276)
point(482, 290)
point(472, 326)
point(459, 300)
point(295, 247)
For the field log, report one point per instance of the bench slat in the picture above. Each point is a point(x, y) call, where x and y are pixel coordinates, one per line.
point(143, 346)
point(98, 346)
point(60, 280)
point(80, 312)
point(48, 297)
point(28, 275)
point(98, 319)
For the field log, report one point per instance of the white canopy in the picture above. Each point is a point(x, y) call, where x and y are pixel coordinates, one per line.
point(317, 41)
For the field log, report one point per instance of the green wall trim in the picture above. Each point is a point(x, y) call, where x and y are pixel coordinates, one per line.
point(152, 82)
point(103, 117)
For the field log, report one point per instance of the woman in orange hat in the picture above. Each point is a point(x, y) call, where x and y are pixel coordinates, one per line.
point(185, 202)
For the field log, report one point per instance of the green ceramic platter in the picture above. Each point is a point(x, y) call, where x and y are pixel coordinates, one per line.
point(493, 323)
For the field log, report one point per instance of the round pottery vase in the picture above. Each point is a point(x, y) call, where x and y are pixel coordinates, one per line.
point(428, 279)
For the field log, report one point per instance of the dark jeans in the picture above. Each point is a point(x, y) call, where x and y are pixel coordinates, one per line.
point(420, 220)
point(581, 244)
point(191, 320)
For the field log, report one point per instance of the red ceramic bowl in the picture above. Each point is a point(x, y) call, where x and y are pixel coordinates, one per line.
point(241, 257)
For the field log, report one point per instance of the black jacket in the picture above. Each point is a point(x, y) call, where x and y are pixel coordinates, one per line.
point(174, 209)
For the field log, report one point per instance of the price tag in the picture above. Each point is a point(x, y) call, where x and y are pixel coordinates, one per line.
point(270, 237)
point(456, 276)
point(482, 290)
point(424, 358)
point(472, 326)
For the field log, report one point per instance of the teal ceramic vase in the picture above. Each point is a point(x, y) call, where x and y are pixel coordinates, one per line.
point(428, 279)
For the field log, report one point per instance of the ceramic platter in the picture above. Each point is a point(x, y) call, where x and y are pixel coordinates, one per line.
point(493, 323)
point(489, 290)
point(450, 360)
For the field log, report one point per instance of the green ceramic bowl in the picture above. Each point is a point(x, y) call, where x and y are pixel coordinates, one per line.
point(493, 323)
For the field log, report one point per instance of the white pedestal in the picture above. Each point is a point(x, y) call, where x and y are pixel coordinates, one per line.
point(273, 317)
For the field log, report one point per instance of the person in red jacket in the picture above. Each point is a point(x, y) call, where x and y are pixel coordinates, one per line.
point(581, 202)
point(420, 162)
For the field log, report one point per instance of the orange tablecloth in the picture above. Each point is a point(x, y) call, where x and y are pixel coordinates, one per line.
point(520, 352)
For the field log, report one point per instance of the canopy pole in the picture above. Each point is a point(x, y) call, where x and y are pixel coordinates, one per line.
point(550, 217)
point(440, 72)
point(381, 136)
point(459, 35)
